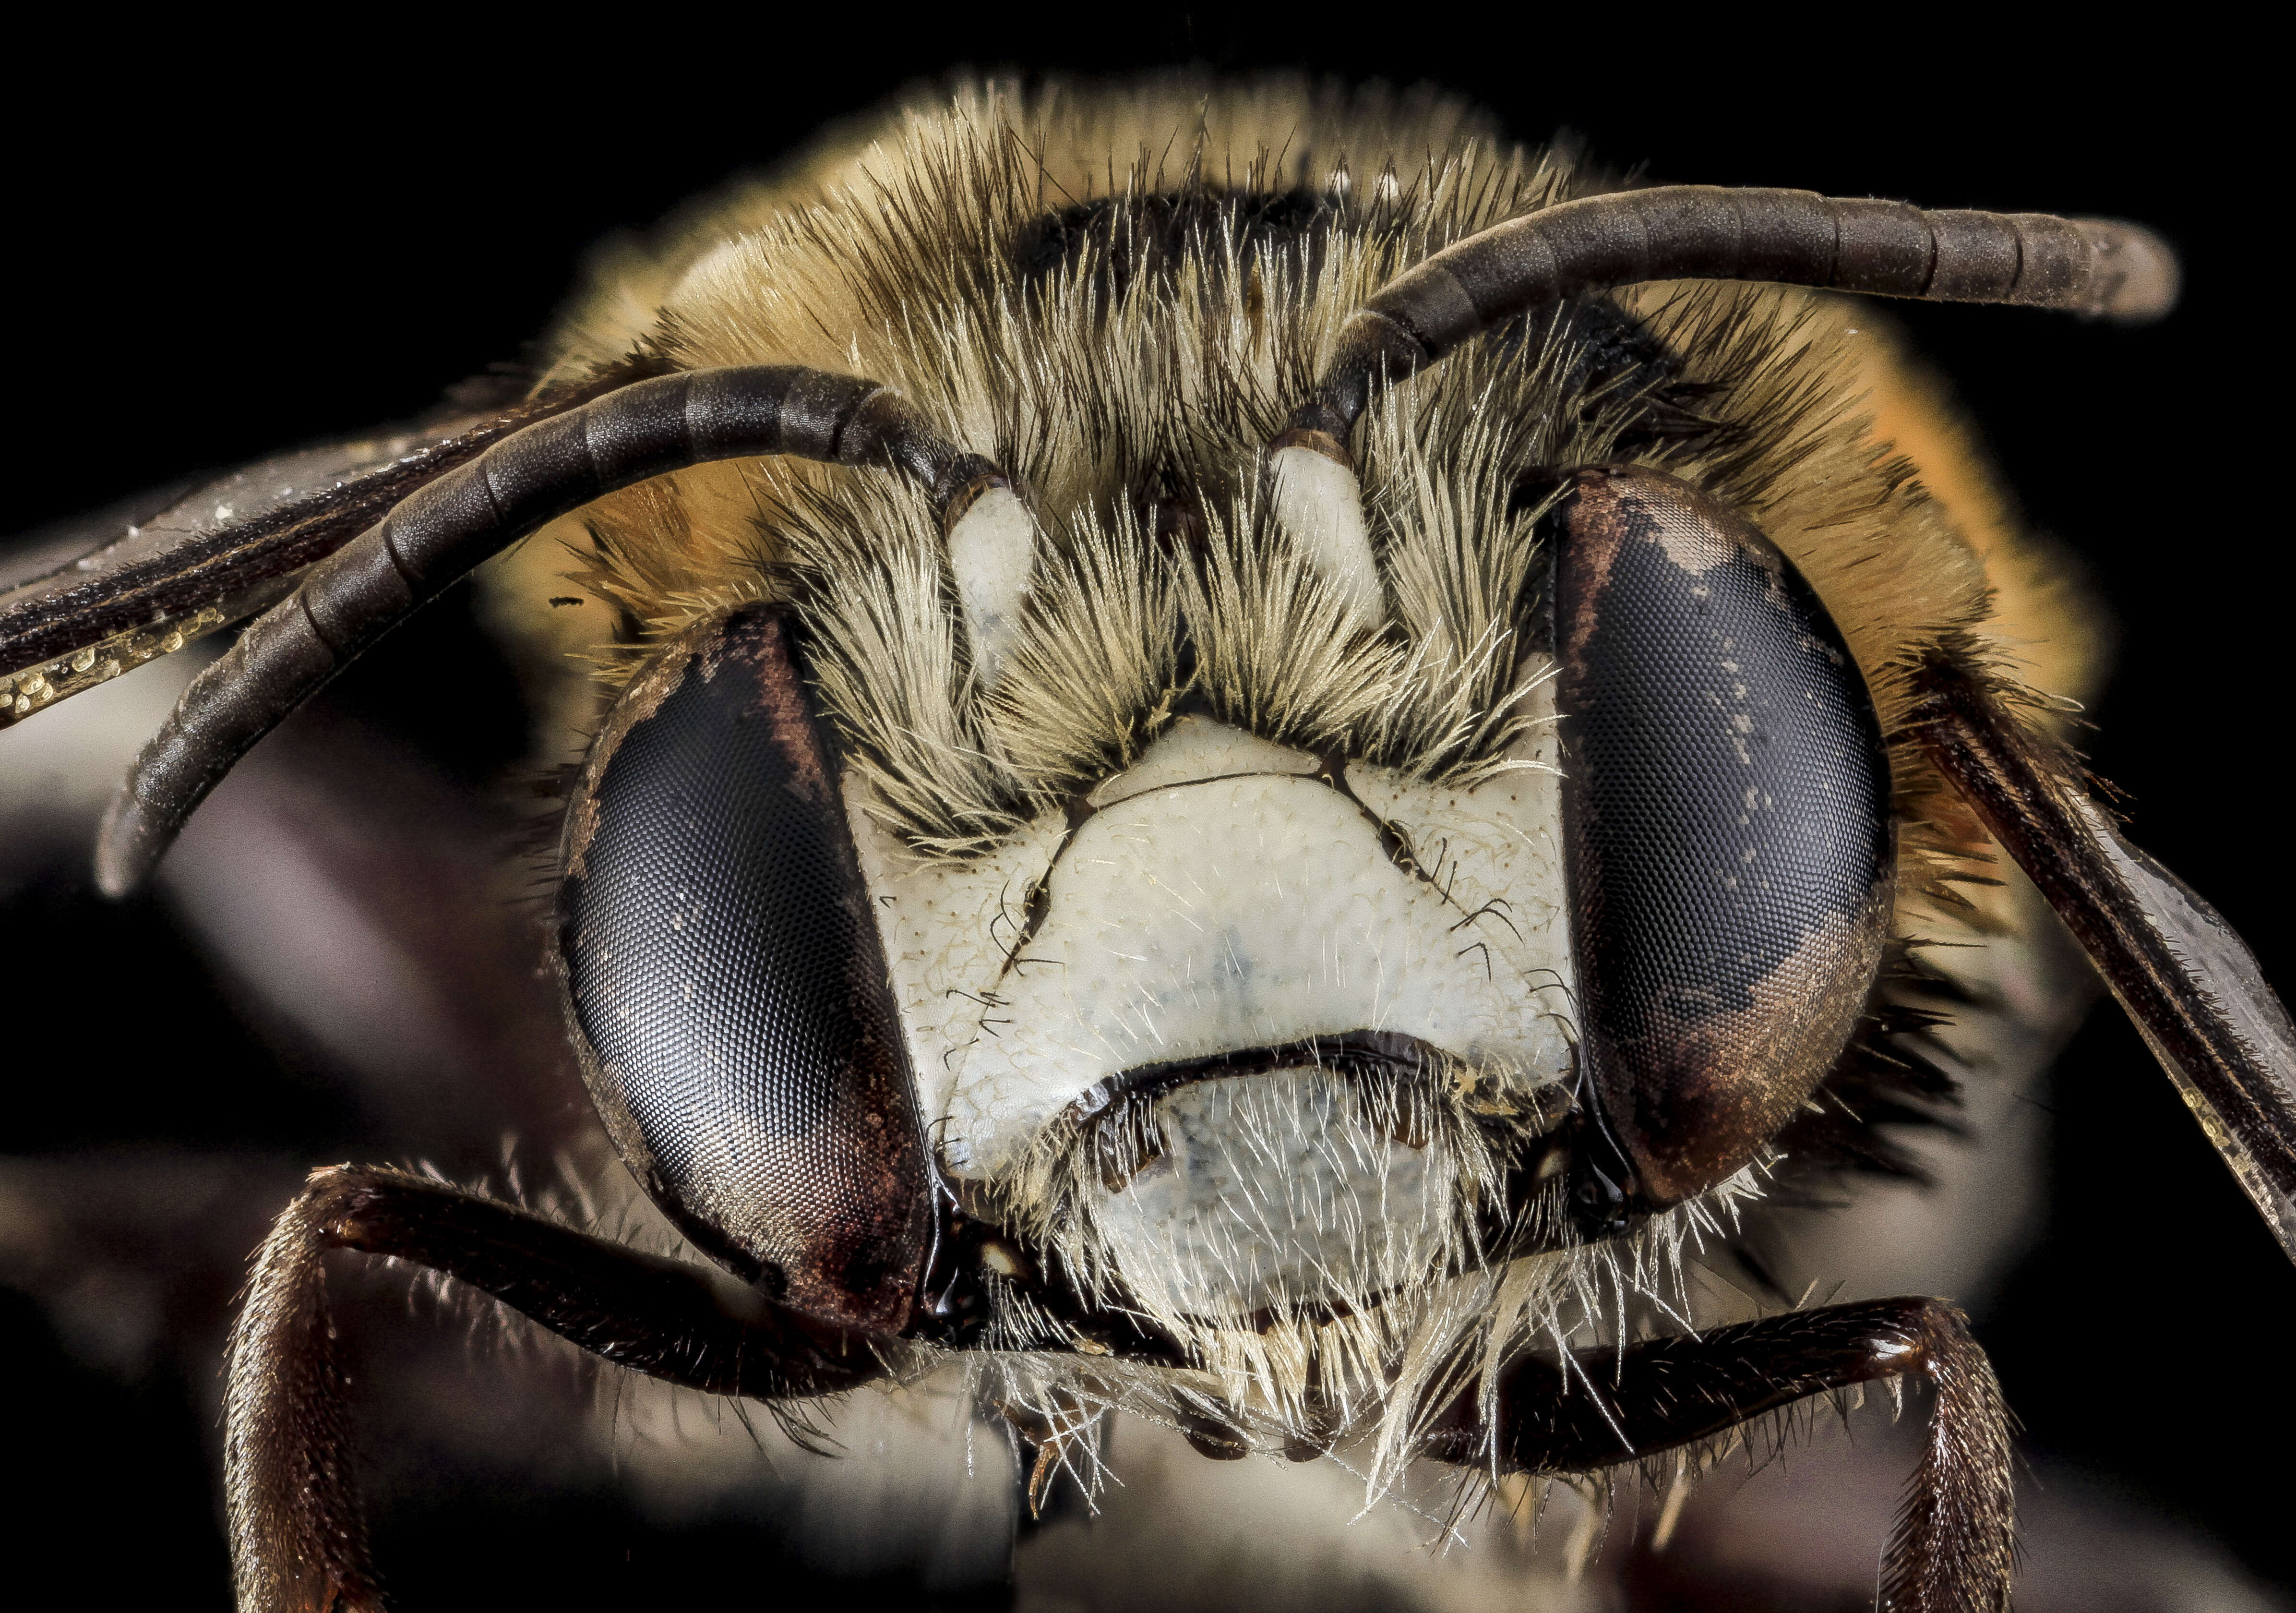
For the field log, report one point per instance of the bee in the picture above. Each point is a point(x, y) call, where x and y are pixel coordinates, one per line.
point(1265, 763)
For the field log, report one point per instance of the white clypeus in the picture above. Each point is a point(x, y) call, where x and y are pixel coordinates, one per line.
point(1221, 897)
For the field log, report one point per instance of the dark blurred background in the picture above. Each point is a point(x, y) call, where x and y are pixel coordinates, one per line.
point(227, 245)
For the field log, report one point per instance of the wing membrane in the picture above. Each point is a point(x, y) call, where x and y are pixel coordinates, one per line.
point(226, 551)
point(2185, 976)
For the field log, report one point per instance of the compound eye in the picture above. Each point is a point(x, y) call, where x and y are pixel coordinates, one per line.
point(726, 984)
point(1728, 843)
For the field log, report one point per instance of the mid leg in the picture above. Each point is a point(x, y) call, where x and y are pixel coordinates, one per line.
point(298, 1543)
point(1953, 1548)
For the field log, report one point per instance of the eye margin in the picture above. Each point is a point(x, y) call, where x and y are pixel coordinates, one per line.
point(1671, 1107)
point(730, 689)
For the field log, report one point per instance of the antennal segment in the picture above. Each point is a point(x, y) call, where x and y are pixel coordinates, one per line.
point(2090, 266)
point(439, 532)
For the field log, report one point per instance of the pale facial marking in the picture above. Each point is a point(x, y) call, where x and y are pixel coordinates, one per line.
point(1319, 503)
point(1255, 906)
point(992, 554)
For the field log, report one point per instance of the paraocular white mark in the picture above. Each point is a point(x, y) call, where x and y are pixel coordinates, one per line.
point(991, 550)
point(1319, 503)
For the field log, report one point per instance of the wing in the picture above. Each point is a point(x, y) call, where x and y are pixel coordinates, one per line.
point(2185, 976)
point(186, 565)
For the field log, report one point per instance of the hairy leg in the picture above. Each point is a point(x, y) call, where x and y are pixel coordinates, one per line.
point(298, 1544)
point(1953, 1548)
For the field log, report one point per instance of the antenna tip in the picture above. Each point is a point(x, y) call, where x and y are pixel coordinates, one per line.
point(2136, 275)
point(129, 845)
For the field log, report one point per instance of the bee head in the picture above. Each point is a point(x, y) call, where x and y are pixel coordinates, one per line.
point(1282, 888)
point(1247, 1026)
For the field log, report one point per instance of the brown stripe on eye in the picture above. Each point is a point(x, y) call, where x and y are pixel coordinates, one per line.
point(725, 983)
point(1728, 833)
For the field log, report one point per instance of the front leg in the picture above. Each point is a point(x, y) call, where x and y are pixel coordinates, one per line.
point(297, 1540)
point(1953, 1549)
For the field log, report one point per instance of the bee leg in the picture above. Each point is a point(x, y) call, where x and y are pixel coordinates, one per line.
point(1061, 1435)
point(1953, 1545)
point(2186, 978)
point(297, 1542)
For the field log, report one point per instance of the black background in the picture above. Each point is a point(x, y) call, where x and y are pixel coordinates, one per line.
point(226, 245)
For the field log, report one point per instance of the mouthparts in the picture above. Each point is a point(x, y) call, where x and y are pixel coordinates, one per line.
point(1397, 1079)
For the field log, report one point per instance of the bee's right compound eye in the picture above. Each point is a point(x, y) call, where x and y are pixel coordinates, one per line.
point(726, 986)
point(1726, 823)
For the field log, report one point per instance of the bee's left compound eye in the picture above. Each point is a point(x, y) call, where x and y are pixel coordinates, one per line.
point(725, 983)
point(1726, 819)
